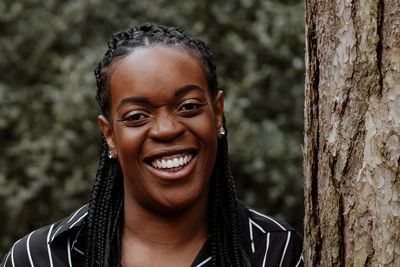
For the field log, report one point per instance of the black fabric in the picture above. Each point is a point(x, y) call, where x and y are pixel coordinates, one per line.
point(267, 241)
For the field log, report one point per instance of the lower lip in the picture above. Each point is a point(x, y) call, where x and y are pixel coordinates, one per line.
point(172, 176)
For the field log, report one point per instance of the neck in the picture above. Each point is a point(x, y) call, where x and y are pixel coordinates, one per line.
point(176, 230)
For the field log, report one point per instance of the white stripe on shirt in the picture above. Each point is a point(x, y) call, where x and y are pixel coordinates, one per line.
point(48, 245)
point(251, 223)
point(251, 236)
point(79, 251)
point(54, 235)
point(204, 262)
point(5, 261)
point(256, 225)
point(12, 253)
point(300, 260)
point(70, 219)
point(266, 250)
point(286, 246)
point(28, 249)
point(78, 220)
point(69, 252)
point(269, 218)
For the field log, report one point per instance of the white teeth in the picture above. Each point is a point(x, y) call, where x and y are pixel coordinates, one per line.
point(172, 161)
point(170, 164)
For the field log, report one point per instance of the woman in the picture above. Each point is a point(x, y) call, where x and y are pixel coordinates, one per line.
point(164, 194)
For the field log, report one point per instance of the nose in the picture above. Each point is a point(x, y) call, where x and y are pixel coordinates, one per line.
point(166, 129)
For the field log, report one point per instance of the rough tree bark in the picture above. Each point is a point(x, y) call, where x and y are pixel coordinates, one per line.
point(352, 133)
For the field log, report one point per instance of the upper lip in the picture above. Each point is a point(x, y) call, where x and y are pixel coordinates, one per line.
point(162, 152)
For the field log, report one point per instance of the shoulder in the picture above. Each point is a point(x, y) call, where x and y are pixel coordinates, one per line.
point(47, 244)
point(270, 241)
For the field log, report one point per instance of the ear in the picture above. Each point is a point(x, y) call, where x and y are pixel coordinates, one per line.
point(219, 109)
point(107, 131)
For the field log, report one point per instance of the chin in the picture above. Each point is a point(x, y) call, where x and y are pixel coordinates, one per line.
point(179, 205)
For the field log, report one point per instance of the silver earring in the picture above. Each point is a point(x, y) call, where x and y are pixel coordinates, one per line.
point(110, 154)
point(221, 131)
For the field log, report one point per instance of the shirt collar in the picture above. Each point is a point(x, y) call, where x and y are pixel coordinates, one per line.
point(72, 223)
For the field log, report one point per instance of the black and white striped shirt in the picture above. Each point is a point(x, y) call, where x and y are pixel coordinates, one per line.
point(268, 241)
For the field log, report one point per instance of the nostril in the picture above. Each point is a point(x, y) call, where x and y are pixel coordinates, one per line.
point(166, 129)
point(165, 138)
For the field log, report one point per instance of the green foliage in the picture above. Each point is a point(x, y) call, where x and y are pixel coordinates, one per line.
point(48, 128)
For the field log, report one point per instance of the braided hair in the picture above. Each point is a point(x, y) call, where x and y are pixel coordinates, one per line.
point(106, 200)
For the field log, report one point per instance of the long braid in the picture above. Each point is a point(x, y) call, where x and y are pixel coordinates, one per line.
point(226, 241)
point(106, 195)
point(106, 201)
point(215, 226)
point(91, 226)
point(232, 205)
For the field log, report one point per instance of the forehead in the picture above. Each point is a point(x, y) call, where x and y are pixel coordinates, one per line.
point(155, 69)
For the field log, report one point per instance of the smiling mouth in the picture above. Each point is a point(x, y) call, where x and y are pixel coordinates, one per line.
point(172, 163)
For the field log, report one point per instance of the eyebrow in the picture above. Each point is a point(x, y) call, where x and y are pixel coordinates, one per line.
point(186, 89)
point(133, 100)
point(142, 100)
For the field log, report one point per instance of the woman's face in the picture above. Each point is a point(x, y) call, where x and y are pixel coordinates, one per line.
point(162, 128)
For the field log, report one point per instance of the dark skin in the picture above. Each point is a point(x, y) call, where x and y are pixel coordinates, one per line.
point(163, 129)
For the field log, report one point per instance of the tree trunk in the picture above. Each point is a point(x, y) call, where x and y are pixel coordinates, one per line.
point(352, 133)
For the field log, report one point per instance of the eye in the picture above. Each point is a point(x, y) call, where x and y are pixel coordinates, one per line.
point(135, 118)
point(191, 108)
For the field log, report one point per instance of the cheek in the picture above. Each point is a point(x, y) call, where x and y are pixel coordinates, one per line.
point(209, 132)
point(129, 142)
point(204, 128)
